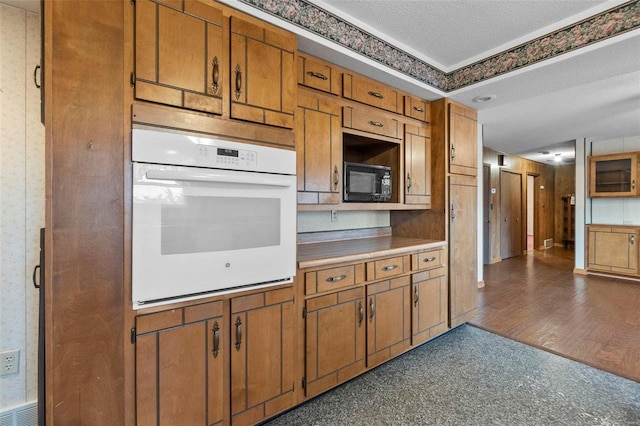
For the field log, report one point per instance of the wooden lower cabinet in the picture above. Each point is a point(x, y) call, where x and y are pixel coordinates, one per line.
point(262, 355)
point(614, 249)
point(180, 366)
point(429, 305)
point(335, 339)
point(388, 319)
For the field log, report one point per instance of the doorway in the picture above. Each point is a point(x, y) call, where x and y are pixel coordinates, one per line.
point(511, 213)
point(486, 214)
point(530, 213)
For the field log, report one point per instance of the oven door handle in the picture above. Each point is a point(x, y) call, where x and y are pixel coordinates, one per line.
point(213, 177)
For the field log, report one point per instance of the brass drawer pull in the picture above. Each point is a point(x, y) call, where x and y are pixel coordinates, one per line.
point(336, 177)
point(632, 239)
point(376, 95)
point(238, 90)
point(238, 333)
point(376, 123)
point(429, 259)
point(418, 109)
point(360, 314)
point(372, 309)
point(336, 278)
point(216, 339)
point(389, 268)
point(215, 75)
point(415, 296)
point(453, 153)
point(317, 75)
point(409, 183)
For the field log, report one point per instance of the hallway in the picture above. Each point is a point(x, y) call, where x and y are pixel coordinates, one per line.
point(536, 299)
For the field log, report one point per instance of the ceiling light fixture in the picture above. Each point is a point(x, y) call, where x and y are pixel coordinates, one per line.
point(483, 98)
point(558, 158)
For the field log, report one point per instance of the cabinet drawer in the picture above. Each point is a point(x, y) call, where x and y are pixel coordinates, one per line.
point(416, 108)
point(318, 74)
point(371, 121)
point(370, 92)
point(386, 268)
point(333, 278)
point(427, 260)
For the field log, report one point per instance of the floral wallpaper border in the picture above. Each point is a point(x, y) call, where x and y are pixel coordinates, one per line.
point(607, 24)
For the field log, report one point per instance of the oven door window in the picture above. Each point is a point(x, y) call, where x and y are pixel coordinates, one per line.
point(209, 224)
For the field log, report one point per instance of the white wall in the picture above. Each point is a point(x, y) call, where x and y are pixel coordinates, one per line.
point(614, 211)
point(321, 220)
point(21, 199)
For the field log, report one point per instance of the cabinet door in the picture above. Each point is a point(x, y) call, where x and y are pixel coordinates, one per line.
point(335, 339)
point(179, 58)
point(614, 175)
point(388, 319)
point(463, 275)
point(429, 307)
point(417, 164)
point(262, 355)
point(263, 84)
point(180, 367)
point(463, 141)
point(319, 150)
point(613, 249)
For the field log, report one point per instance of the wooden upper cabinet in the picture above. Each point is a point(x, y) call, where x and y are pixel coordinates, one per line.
point(371, 92)
point(463, 140)
point(417, 164)
point(263, 84)
point(319, 149)
point(416, 108)
point(180, 57)
point(318, 74)
point(614, 175)
point(371, 121)
point(614, 249)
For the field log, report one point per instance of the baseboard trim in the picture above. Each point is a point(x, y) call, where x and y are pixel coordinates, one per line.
point(481, 284)
point(495, 260)
point(579, 271)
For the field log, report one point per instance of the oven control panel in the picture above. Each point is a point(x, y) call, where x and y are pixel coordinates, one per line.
point(229, 158)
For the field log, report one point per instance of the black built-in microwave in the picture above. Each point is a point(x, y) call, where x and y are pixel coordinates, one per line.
point(366, 183)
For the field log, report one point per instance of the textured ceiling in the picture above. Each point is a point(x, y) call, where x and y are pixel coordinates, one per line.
point(453, 33)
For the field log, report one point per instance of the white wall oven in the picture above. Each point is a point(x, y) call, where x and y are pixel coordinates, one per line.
point(210, 216)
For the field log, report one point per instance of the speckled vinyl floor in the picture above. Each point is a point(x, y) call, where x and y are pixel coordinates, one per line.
point(473, 377)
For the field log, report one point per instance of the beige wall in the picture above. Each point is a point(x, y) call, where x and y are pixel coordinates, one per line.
point(21, 199)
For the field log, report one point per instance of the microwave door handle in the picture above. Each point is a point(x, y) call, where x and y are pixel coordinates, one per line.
point(212, 177)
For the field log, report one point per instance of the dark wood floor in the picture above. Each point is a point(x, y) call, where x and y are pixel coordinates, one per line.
point(536, 299)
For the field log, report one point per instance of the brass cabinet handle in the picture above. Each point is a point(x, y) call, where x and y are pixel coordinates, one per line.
point(35, 76)
point(453, 212)
point(429, 259)
point(389, 268)
point(376, 123)
point(418, 109)
point(238, 333)
point(453, 153)
point(372, 309)
point(632, 239)
point(336, 177)
point(317, 75)
point(215, 75)
point(216, 339)
point(415, 296)
point(376, 95)
point(336, 278)
point(238, 91)
point(633, 182)
point(360, 314)
point(409, 183)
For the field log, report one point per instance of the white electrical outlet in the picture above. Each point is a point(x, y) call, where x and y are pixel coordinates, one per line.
point(334, 215)
point(9, 362)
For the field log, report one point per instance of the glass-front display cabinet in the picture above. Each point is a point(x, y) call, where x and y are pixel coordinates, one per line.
point(614, 175)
